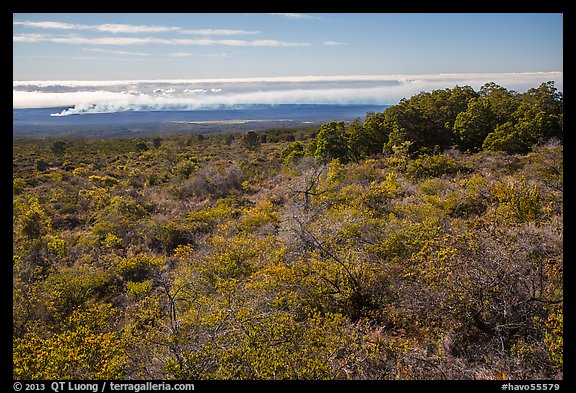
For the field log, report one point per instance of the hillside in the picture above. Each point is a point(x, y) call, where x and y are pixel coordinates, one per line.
point(295, 254)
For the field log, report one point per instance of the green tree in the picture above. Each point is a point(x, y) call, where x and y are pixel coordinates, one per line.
point(368, 138)
point(503, 102)
point(42, 165)
point(540, 113)
point(357, 140)
point(376, 129)
point(251, 140)
point(332, 142)
point(426, 119)
point(538, 118)
point(141, 146)
point(473, 125)
point(58, 147)
point(508, 138)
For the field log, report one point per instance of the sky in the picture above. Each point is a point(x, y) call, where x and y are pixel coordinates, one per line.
point(524, 47)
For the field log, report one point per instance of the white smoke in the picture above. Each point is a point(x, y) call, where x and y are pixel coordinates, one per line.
point(84, 97)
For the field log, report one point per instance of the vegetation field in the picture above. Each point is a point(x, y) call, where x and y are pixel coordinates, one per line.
point(423, 242)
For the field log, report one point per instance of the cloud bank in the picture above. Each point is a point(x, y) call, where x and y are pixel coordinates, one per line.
point(85, 97)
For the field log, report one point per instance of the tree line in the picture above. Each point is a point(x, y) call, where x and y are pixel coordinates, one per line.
point(493, 118)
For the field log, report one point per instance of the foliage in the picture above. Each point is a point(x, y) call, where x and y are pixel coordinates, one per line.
point(58, 147)
point(434, 166)
point(138, 290)
point(251, 140)
point(491, 119)
point(86, 349)
point(425, 242)
point(292, 153)
point(332, 141)
point(34, 222)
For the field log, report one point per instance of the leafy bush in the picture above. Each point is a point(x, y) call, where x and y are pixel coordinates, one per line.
point(139, 267)
point(18, 185)
point(87, 349)
point(138, 290)
point(435, 166)
point(185, 168)
point(518, 199)
point(71, 287)
point(34, 223)
point(292, 153)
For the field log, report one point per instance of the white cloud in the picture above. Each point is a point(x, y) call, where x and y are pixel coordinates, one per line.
point(219, 32)
point(123, 28)
point(36, 99)
point(163, 91)
point(79, 40)
point(117, 52)
point(28, 37)
point(333, 43)
point(46, 25)
point(295, 16)
point(117, 28)
point(221, 54)
point(179, 54)
point(107, 27)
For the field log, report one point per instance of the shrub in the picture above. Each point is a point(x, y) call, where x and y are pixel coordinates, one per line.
point(434, 166)
point(172, 234)
point(104, 181)
point(292, 153)
point(251, 140)
point(139, 267)
point(258, 216)
point(185, 168)
point(18, 185)
point(210, 182)
point(42, 165)
point(34, 223)
point(58, 147)
point(519, 199)
point(71, 287)
point(141, 146)
point(87, 349)
point(138, 290)
point(111, 241)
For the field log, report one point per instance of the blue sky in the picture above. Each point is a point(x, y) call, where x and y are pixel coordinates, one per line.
point(189, 46)
point(100, 63)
